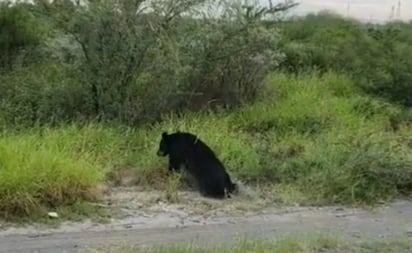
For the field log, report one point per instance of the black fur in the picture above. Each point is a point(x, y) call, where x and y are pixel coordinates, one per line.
point(187, 150)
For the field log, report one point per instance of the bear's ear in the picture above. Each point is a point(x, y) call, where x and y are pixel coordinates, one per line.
point(164, 134)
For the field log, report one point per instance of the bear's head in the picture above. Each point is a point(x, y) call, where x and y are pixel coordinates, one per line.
point(164, 145)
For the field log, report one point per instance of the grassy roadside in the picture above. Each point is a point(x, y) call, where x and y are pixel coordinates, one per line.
point(312, 139)
point(325, 244)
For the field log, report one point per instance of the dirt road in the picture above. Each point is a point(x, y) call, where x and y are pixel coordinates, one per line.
point(164, 223)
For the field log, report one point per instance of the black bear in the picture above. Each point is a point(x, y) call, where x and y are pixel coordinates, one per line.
point(199, 160)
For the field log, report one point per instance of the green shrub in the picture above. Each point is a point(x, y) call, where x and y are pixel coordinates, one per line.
point(20, 32)
point(51, 168)
point(300, 104)
point(163, 63)
point(353, 156)
point(377, 57)
point(43, 93)
point(34, 176)
point(361, 166)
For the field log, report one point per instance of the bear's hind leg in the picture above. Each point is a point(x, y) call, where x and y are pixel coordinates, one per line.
point(212, 189)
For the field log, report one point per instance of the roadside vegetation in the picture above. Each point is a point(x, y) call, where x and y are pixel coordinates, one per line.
point(314, 244)
point(316, 110)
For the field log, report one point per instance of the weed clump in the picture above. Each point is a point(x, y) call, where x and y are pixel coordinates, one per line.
point(33, 176)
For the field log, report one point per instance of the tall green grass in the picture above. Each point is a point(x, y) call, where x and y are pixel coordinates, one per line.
point(314, 135)
point(34, 175)
point(50, 168)
point(318, 136)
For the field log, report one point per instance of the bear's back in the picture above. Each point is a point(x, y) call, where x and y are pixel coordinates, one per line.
point(191, 143)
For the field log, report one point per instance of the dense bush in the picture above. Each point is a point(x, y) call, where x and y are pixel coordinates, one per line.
point(132, 60)
point(20, 33)
point(378, 57)
point(42, 93)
